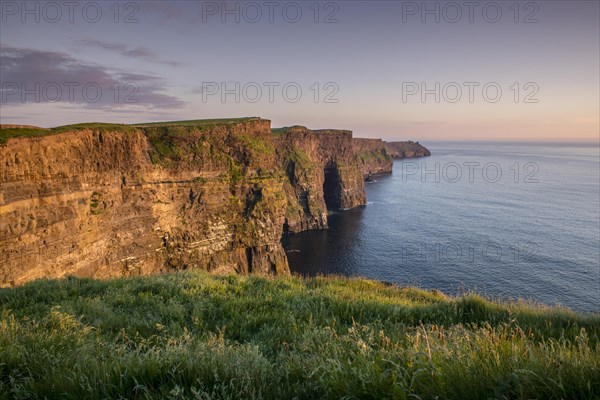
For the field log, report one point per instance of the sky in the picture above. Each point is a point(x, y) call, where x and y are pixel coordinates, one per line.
point(396, 70)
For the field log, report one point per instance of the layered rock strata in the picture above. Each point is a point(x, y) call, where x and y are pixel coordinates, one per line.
point(103, 200)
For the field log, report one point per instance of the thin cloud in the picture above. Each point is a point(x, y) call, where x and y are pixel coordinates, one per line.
point(138, 52)
point(29, 75)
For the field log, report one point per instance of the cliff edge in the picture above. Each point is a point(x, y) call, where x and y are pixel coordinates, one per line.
point(408, 149)
point(105, 200)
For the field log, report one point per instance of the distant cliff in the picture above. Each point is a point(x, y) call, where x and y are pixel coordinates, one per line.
point(323, 173)
point(373, 156)
point(407, 149)
point(104, 200)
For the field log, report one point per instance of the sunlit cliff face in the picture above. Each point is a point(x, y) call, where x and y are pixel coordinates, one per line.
point(102, 200)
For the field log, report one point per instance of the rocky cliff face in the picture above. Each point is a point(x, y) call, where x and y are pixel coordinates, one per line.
point(372, 156)
point(407, 149)
point(322, 172)
point(104, 201)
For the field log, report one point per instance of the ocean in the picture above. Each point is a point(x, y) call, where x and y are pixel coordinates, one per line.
point(507, 220)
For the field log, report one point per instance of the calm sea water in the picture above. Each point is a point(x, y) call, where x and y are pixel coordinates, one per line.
point(515, 221)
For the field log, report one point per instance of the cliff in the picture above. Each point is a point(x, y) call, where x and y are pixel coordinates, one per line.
point(135, 200)
point(102, 200)
point(372, 156)
point(407, 149)
point(323, 174)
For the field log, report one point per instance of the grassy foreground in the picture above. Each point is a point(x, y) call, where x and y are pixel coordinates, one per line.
point(194, 335)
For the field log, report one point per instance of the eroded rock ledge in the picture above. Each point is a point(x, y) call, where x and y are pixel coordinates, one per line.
point(102, 200)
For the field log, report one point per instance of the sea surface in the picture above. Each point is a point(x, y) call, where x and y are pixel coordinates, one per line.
point(507, 220)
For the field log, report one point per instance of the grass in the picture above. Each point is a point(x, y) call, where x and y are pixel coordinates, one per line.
point(97, 126)
point(8, 133)
point(257, 145)
point(95, 203)
point(197, 122)
point(198, 336)
point(204, 124)
point(283, 130)
point(374, 155)
point(298, 158)
point(280, 131)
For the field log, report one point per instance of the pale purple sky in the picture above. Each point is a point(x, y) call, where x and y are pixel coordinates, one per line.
point(360, 65)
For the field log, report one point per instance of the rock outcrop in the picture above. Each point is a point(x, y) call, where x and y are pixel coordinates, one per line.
point(125, 201)
point(323, 174)
point(408, 149)
point(373, 157)
point(102, 200)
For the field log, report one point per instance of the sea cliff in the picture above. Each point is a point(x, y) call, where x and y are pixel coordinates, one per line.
point(408, 149)
point(106, 200)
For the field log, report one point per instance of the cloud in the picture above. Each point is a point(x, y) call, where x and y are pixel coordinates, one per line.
point(29, 75)
point(140, 53)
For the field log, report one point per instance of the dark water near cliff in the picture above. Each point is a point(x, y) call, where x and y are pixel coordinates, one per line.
point(535, 234)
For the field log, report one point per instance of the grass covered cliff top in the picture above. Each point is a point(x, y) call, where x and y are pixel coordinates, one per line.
point(13, 131)
point(199, 122)
point(199, 336)
point(32, 131)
